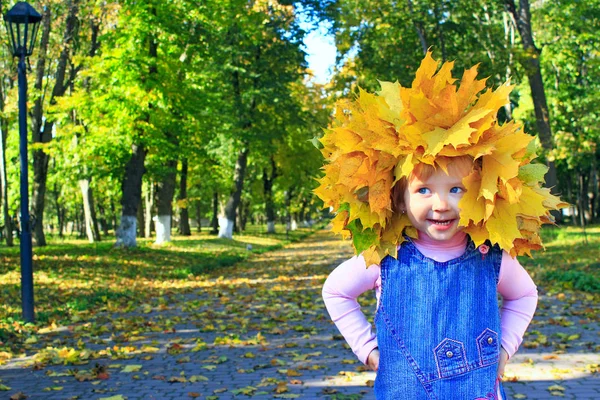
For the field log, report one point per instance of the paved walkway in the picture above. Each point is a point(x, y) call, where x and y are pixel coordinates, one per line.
point(262, 333)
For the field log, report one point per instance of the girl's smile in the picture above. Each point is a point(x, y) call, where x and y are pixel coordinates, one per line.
point(432, 204)
point(442, 225)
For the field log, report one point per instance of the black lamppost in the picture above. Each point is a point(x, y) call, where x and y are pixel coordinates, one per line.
point(22, 23)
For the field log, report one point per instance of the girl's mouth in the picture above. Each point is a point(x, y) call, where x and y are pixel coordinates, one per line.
point(441, 224)
point(441, 221)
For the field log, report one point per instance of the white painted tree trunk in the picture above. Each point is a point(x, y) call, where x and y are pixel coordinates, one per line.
point(163, 229)
point(225, 228)
point(294, 225)
point(149, 202)
point(84, 186)
point(127, 231)
point(270, 226)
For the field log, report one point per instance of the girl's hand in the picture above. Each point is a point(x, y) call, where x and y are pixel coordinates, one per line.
point(373, 359)
point(503, 359)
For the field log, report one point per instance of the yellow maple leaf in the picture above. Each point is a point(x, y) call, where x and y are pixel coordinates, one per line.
point(391, 110)
point(457, 135)
point(379, 196)
point(469, 87)
point(531, 203)
point(478, 233)
point(425, 73)
point(405, 166)
point(502, 224)
point(472, 210)
point(377, 139)
point(339, 222)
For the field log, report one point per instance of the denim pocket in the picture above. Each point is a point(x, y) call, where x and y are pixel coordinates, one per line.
point(450, 358)
point(488, 347)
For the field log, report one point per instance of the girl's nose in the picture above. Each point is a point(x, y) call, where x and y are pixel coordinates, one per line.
point(440, 203)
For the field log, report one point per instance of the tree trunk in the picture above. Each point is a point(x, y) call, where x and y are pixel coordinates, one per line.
point(184, 218)
point(595, 201)
point(40, 163)
point(7, 233)
point(198, 215)
point(134, 172)
point(244, 219)
point(531, 64)
point(584, 198)
point(40, 158)
point(214, 223)
point(91, 223)
point(243, 211)
point(239, 216)
point(268, 191)
point(419, 28)
point(113, 216)
point(60, 211)
point(3, 177)
point(302, 214)
point(141, 220)
point(440, 30)
point(509, 38)
point(148, 207)
point(580, 201)
point(165, 189)
point(288, 206)
point(131, 188)
point(81, 222)
point(103, 220)
point(226, 223)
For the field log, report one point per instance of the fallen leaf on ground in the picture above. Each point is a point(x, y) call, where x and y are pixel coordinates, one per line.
point(131, 368)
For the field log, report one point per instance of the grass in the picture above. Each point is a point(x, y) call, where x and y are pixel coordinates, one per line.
point(571, 260)
point(72, 276)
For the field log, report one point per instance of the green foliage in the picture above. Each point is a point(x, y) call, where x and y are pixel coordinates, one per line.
point(378, 40)
point(224, 73)
point(574, 279)
point(570, 261)
point(362, 238)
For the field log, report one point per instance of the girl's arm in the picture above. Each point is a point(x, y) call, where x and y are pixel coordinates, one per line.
point(520, 296)
point(340, 291)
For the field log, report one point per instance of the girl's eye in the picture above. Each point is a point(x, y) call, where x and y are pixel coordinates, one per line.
point(423, 191)
point(456, 189)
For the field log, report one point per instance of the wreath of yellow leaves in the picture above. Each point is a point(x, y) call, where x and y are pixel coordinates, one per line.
point(379, 138)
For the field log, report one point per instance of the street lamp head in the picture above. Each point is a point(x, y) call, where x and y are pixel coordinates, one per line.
point(22, 23)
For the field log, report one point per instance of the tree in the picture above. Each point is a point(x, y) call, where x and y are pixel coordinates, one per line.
point(265, 55)
point(6, 82)
point(531, 63)
point(42, 129)
point(567, 32)
point(385, 40)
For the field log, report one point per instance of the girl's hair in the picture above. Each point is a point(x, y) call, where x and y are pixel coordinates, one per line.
point(457, 166)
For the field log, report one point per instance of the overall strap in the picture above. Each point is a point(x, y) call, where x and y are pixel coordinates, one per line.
point(403, 348)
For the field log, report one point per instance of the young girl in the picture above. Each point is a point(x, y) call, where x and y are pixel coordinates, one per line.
point(439, 250)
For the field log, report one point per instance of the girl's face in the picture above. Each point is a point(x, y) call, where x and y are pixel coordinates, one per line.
point(432, 204)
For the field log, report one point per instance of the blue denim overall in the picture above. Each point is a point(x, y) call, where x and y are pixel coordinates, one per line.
point(438, 326)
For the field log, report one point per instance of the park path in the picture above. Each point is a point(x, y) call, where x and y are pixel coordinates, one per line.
point(260, 330)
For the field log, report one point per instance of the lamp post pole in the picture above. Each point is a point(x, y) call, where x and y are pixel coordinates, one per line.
point(26, 247)
point(22, 23)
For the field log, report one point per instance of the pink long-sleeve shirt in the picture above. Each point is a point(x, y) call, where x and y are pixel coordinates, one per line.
point(351, 279)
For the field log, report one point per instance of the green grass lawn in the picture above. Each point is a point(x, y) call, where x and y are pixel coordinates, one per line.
point(571, 260)
point(72, 276)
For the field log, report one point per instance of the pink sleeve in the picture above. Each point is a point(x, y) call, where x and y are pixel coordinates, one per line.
point(519, 295)
point(340, 291)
